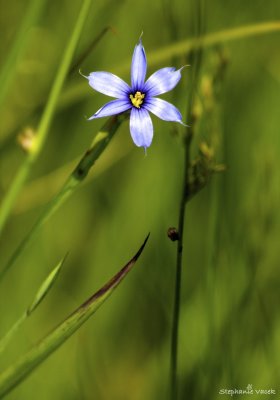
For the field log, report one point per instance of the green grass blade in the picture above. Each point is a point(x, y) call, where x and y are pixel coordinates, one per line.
point(41, 293)
point(28, 362)
point(210, 39)
point(34, 193)
point(77, 64)
point(98, 145)
point(11, 332)
point(45, 287)
point(46, 119)
point(7, 72)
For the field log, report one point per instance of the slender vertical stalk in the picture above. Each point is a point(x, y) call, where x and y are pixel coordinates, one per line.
point(46, 119)
point(177, 295)
point(186, 194)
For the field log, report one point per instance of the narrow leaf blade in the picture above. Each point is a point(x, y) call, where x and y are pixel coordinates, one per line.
point(17, 372)
point(45, 287)
point(40, 295)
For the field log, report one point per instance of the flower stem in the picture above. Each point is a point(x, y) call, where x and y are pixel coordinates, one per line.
point(100, 142)
point(195, 59)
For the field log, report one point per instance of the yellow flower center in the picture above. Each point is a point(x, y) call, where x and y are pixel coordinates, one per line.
point(137, 99)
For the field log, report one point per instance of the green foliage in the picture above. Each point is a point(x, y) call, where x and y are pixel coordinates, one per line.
point(27, 363)
point(229, 324)
point(43, 127)
point(39, 296)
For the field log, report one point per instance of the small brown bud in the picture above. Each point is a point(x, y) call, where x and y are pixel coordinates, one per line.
point(173, 234)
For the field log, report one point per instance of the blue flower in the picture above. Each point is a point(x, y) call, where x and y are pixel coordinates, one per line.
point(139, 97)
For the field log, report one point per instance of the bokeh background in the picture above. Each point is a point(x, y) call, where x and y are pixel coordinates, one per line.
point(230, 325)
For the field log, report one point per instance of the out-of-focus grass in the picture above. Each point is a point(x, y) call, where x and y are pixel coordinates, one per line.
point(24, 365)
point(229, 330)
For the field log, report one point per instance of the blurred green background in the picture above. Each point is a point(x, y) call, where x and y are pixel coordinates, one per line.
point(230, 325)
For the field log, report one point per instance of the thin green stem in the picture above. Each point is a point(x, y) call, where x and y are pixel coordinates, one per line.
point(6, 339)
point(8, 70)
point(77, 64)
point(177, 49)
point(46, 119)
point(80, 172)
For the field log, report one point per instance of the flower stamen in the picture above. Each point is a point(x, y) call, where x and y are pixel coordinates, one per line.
point(137, 99)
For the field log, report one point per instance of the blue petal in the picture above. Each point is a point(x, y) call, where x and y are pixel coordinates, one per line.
point(112, 108)
point(109, 84)
point(163, 110)
point(138, 67)
point(141, 127)
point(162, 81)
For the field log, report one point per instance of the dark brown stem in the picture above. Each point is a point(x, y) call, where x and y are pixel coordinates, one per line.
point(177, 293)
